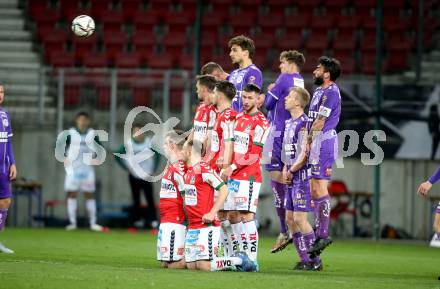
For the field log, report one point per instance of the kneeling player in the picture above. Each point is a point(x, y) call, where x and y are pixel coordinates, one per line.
point(172, 229)
point(298, 197)
point(202, 238)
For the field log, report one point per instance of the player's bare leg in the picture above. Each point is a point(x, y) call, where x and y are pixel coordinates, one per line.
point(249, 236)
point(91, 210)
point(237, 228)
point(72, 206)
point(435, 242)
point(176, 265)
point(191, 265)
point(321, 199)
point(4, 206)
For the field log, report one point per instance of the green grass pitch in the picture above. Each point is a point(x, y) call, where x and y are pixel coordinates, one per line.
point(58, 259)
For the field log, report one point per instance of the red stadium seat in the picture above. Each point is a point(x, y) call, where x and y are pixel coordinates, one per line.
point(242, 22)
point(347, 24)
point(397, 62)
point(260, 60)
point(270, 22)
point(94, 60)
point(335, 7)
point(112, 20)
point(160, 5)
point(396, 25)
point(264, 42)
point(321, 22)
point(250, 4)
point(70, 14)
point(84, 45)
point(160, 61)
point(142, 95)
point(174, 43)
point(290, 41)
point(364, 7)
point(144, 21)
point(114, 42)
point(186, 61)
point(344, 44)
point(129, 8)
point(127, 60)
point(369, 64)
point(308, 4)
point(296, 22)
point(100, 7)
point(317, 42)
point(369, 43)
point(144, 41)
point(348, 64)
point(61, 59)
point(178, 22)
point(224, 60)
point(311, 62)
point(54, 41)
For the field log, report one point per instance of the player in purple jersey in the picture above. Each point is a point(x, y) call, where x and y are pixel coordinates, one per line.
point(214, 69)
point(291, 63)
point(324, 113)
point(8, 170)
point(298, 200)
point(423, 191)
point(242, 53)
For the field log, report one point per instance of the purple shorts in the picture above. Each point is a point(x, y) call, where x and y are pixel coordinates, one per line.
point(437, 210)
point(5, 187)
point(298, 197)
point(272, 154)
point(327, 157)
point(279, 193)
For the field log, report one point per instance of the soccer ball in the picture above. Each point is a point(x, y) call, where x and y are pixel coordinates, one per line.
point(83, 26)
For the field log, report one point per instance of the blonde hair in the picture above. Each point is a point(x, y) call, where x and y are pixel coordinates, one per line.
point(304, 96)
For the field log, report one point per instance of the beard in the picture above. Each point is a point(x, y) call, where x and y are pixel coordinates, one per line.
point(318, 80)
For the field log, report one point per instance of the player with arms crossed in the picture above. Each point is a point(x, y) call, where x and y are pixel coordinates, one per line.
point(214, 69)
point(8, 170)
point(291, 63)
point(324, 113)
point(80, 174)
point(298, 201)
point(205, 115)
point(221, 151)
point(244, 174)
point(423, 191)
point(242, 53)
point(172, 229)
point(201, 244)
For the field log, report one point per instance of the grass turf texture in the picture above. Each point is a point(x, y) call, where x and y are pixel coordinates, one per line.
point(82, 259)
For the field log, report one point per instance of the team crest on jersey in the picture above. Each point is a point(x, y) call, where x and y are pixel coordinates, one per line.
point(5, 122)
point(169, 175)
point(193, 180)
point(328, 172)
point(324, 98)
point(205, 116)
point(252, 79)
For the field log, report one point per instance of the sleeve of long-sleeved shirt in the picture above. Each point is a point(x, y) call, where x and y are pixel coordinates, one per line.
point(10, 151)
point(435, 177)
point(274, 94)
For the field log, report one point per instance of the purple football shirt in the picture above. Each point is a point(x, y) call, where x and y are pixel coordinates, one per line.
point(240, 78)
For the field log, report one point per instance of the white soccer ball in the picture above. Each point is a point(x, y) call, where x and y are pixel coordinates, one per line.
point(83, 26)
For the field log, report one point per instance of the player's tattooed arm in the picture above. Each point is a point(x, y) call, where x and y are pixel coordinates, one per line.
point(316, 128)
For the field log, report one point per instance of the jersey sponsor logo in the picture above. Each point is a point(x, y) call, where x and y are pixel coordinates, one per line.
point(167, 190)
point(163, 249)
point(5, 122)
point(240, 200)
point(190, 195)
point(192, 236)
point(312, 115)
point(215, 142)
point(223, 263)
point(3, 135)
point(298, 82)
point(233, 186)
point(200, 130)
point(253, 242)
point(180, 251)
point(241, 142)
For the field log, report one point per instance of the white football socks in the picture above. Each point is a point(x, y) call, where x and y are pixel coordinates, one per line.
point(71, 210)
point(251, 235)
point(91, 209)
point(225, 263)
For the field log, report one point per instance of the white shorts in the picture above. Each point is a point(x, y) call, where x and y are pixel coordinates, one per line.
point(244, 195)
point(201, 244)
point(80, 180)
point(171, 242)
